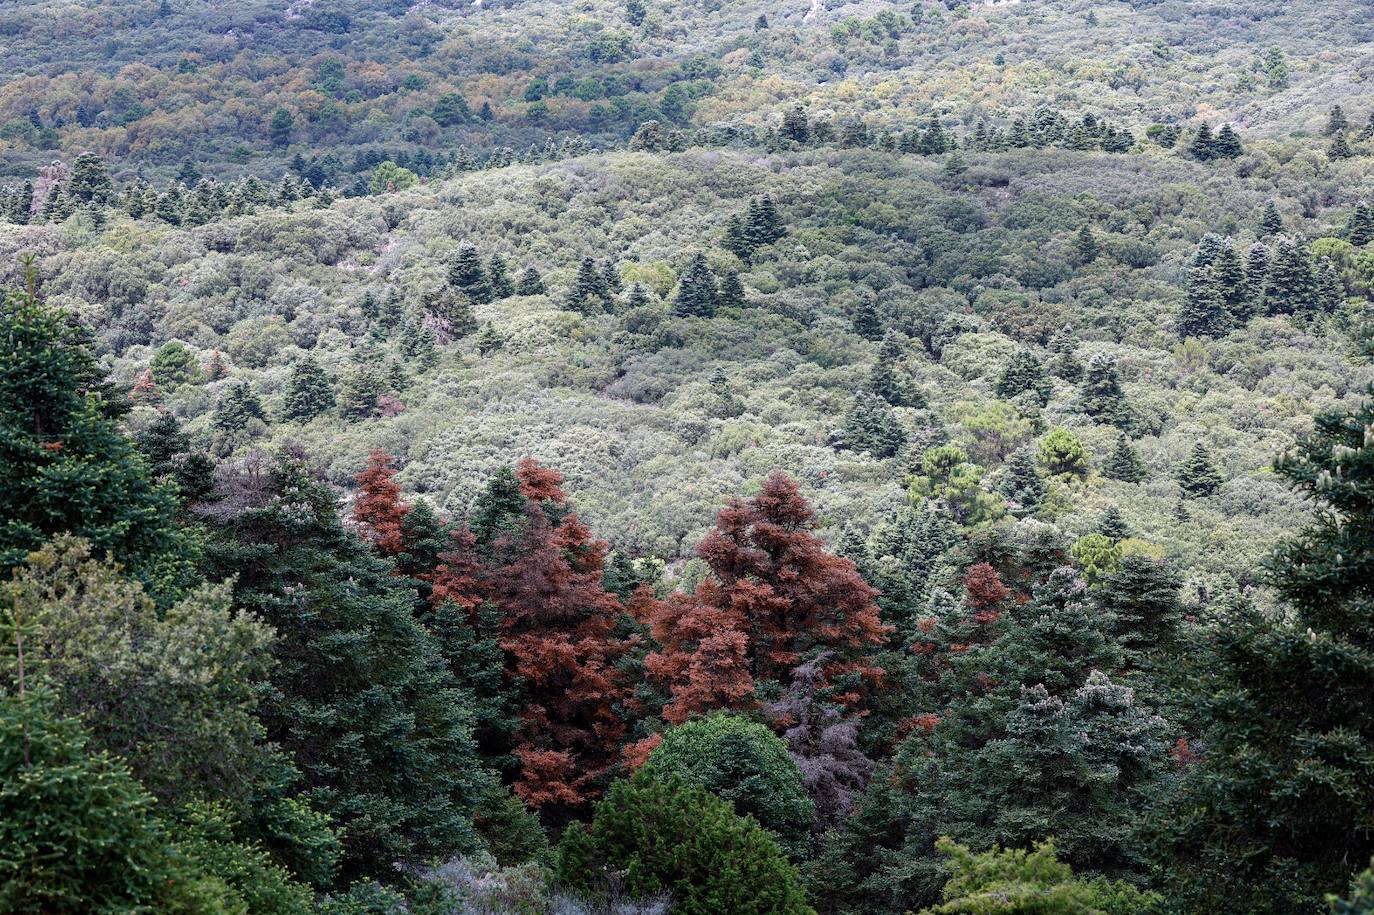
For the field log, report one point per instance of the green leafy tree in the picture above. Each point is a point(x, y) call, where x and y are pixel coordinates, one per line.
point(744, 763)
point(175, 364)
point(1063, 454)
point(653, 838)
point(1019, 882)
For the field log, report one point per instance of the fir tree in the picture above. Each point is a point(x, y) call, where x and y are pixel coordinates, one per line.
point(795, 125)
point(589, 294)
point(468, 276)
point(1336, 122)
point(237, 405)
point(1197, 475)
point(308, 392)
point(1269, 819)
point(1123, 463)
point(1339, 148)
point(610, 278)
point(732, 293)
point(1023, 372)
point(1290, 287)
point(1227, 144)
point(1204, 312)
point(1063, 359)
point(1361, 230)
point(1085, 245)
point(531, 283)
point(1203, 147)
point(697, 294)
point(867, 323)
point(870, 425)
point(499, 277)
point(1113, 526)
point(1022, 485)
point(90, 182)
point(1329, 291)
point(1101, 396)
point(1270, 222)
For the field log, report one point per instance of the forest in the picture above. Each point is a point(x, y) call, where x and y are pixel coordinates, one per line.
point(619, 457)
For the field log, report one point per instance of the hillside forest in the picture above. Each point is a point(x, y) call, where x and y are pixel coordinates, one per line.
point(718, 457)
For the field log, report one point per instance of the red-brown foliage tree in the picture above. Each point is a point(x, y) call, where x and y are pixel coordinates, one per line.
point(558, 631)
point(378, 510)
point(777, 597)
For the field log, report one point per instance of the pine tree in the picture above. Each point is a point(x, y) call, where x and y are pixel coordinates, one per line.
point(468, 276)
point(1197, 475)
point(1269, 819)
point(732, 293)
point(1123, 463)
point(697, 294)
point(1204, 312)
point(308, 392)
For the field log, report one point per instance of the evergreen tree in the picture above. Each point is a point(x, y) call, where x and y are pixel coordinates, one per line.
point(1197, 475)
point(638, 297)
point(237, 406)
point(1229, 274)
point(362, 698)
point(697, 294)
point(531, 283)
point(1227, 144)
point(884, 380)
point(1204, 312)
point(1113, 526)
point(1256, 275)
point(308, 392)
point(280, 127)
point(1336, 122)
point(1085, 245)
point(1023, 372)
point(795, 125)
point(1329, 291)
point(870, 425)
point(1361, 231)
point(174, 364)
point(1141, 593)
point(1123, 463)
point(90, 182)
point(1339, 148)
point(610, 278)
point(1203, 147)
point(64, 463)
point(1063, 359)
point(867, 323)
point(589, 294)
point(468, 276)
point(1290, 287)
point(732, 293)
point(499, 276)
point(1271, 222)
point(1022, 485)
point(1101, 396)
point(1270, 817)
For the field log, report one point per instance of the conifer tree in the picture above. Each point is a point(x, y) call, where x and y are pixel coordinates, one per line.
point(1269, 818)
point(867, 323)
point(697, 294)
point(1123, 463)
point(1197, 475)
point(1085, 244)
point(884, 380)
point(732, 293)
point(1203, 146)
point(468, 276)
point(531, 282)
point(1290, 287)
point(795, 125)
point(1113, 526)
point(1203, 312)
point(1023, 372)
point(1063, 361)
point(378, 512)
point(498, 275)
point(1329, 291)
point(308, 393)
point(1227, 144)
point(610, 278)
point(589, 294)
point(237, 406)
point(1339, 148)
point(1256, 275)
point(870, 425)
point(1271, 222)
point(1336, 121)
point(1022, 485)
point(1101, 396)
point(1361, 231)
point(90, 182)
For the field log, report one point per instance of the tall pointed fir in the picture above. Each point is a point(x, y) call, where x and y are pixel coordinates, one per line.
point(697, 294)
point(469, 276)
point(309, 392)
